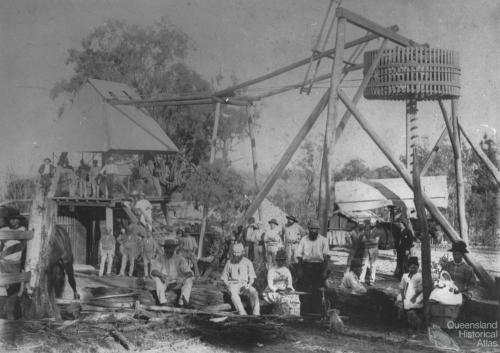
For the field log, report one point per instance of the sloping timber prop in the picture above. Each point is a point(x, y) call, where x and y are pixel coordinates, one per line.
point(409, 71)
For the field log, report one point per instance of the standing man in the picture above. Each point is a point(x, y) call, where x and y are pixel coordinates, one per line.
point(292, 238)
point(239, 275)
point(273, 242)
point(150, 249)
point(82, 172)
point(130, 246)
point(108, 172)
point(252, 238)
point(145, 209)
point(370, 238)
point(312, 254)
point(188, 247)
point(94, 175)
point(46, 172)
point(403, 244)
point(107, 251)
point(171, 272)
point(355, 244)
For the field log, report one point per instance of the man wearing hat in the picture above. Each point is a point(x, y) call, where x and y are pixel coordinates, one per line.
point(171, 272)
point(272, 239)
point(403, 242)
point(46, 172)
point(370, 238)
point(461, 273)
point(292, 238)
point(108, 172)
point(239, 275)
point(312, 255)
point(351, 281)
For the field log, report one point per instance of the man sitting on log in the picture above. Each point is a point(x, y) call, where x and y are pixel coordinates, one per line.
point(171, 272)
point(239, 275)
point(461, 273)
point(351, 281)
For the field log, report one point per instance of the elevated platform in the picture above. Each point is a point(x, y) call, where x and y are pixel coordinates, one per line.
point(101, 202)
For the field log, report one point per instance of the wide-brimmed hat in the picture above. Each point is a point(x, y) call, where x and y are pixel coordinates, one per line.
point(273, 221)
point(313, 225)
point(292, 218)
point(238, 248)
point(281, 254)
point(47, 159)
point(459, 246)
point(356, 263)
point(413, 261)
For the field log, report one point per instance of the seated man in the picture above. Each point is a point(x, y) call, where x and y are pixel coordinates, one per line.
point(239, 275)
point(410, 298)
point(171, 272)
point(351, 281)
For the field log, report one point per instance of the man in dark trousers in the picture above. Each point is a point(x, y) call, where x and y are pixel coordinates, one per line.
point(312, 255)
point(403, 244)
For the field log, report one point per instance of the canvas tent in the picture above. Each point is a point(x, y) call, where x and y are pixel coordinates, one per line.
point(93, 124)
point(375, 193)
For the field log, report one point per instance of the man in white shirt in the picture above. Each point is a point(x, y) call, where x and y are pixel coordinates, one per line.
point(312, 255)
point(351, 281)
point(292, 238)
point(272, 239)
point(145, 210)
point(108, 172)
point(239, 275)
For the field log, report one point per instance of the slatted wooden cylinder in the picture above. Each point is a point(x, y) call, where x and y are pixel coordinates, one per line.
point(414, 73)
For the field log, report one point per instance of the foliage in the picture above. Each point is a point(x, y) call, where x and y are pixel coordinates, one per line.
point(219, 186)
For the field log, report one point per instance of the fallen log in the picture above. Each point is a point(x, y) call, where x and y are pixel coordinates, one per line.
point(122, 339)
point(218, 307)
point(170, 309)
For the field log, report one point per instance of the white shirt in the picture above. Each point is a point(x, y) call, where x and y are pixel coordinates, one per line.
point(292, 233)
point(273, 236)
point(253, 235)
point(242, 272)
point(410, 287)
point(313, 251)
point(146, 211)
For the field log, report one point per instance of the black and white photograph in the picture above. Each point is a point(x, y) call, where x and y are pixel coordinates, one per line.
point(272, 176)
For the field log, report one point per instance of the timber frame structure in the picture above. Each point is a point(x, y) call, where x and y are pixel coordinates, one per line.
point(334, 123)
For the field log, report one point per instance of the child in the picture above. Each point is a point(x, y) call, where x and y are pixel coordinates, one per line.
point(107, 251)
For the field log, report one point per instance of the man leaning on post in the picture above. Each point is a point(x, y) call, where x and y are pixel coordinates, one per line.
point(239, 275)
point(312, 254)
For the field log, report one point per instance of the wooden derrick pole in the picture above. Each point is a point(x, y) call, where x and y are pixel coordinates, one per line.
point(253, 146)
point(331, 125)
point(42, 221)
point(482, 156)
point(268, 184)
point(430, 158)
point(454, 133)
point(211, 161)
point(424, 229)
point(278, 169)
point(483, 276)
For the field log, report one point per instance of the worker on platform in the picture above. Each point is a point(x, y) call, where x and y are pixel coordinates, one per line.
point(291, 238)
point(94, 176)
point(171, 272)
point(108, 173)
point(351, 280)
point(187, 248)
point(273, 242)
point(46, 172)
point(312, 255)
point(239, 275)
point(370, 238)
point(83, 172)
point(144, 208)
point(107, 245)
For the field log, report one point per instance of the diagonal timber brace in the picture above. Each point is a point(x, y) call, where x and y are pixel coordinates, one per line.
point(481, 273)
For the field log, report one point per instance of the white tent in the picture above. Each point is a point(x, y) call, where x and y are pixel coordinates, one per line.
point(370, 194)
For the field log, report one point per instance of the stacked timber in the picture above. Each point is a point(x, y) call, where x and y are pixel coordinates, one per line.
point(206, 294)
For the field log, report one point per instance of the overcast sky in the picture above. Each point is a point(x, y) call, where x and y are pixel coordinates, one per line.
point(247, 38)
